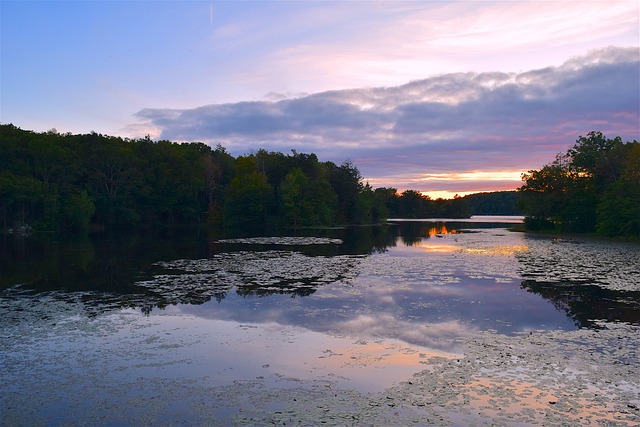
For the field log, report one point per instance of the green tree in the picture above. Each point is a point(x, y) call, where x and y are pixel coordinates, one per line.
point(388, 202)
point(545, 194)
point(619, 208)
point(413, 204)
point(494, 203)
point(346, 181)
point(294, 194)
point(321, 202)
point(20, 199)
point(247, 196)
point(364, 206)
point(66, 182)
point(591, 187)
point(76, 212)
point(218, 173)
point(598, 158)
point(114, 179)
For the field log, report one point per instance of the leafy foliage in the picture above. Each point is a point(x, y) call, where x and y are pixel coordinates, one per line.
point(495, 203)
point(595, 186)
point(71, 183)
point(413, 204)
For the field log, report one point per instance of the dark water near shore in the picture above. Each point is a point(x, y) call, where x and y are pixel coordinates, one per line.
point(477, 274)
point(105, 324)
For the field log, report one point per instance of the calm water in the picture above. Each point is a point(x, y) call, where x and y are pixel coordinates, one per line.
point(99, 325)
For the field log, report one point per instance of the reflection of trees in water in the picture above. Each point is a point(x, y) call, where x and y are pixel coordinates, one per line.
point(587, 278)
point(413, 232)
point(122, 271)
point(250, 291)
point(586, 303)
point(250, 273)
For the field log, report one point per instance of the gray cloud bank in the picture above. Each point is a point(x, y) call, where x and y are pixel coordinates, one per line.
point(450, 123)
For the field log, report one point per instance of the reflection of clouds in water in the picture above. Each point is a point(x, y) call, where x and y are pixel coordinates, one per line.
point(387, 299)
point(277, 271)
point(498, 250)
point(252, 314)
point(448, 258)
point(445, 336)
point(404, 293)
point(425, 289)
point(352, 333)
point(583, 377)
point(403, 271)
point(435, 247)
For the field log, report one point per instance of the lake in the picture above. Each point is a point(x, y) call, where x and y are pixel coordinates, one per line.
point(431, 322)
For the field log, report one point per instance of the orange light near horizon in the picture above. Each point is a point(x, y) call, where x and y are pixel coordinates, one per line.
point(473, 176)
point(466, 182)
point(438, 248)
point(497, 250)
point(445, 194)
point(440, 230)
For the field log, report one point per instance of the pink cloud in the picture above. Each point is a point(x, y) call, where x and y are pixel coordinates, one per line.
point(453, 124)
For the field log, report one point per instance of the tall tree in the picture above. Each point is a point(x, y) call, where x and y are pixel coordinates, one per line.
point(591, 187)
point(619, 208)
point(294, 189)
point(347, 184)
point(247, 196)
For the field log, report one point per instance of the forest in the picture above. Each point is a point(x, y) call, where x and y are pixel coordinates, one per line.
point(593, 187)
point(82, 182)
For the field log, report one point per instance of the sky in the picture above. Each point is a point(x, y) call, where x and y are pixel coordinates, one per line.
point(442, 97)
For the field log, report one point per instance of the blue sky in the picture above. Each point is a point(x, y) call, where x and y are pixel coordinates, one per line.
point(441, 97)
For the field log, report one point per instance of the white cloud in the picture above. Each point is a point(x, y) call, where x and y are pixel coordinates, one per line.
point(400, 42)
point(444, 336)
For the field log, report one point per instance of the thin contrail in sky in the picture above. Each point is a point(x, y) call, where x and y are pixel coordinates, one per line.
point(211, 12)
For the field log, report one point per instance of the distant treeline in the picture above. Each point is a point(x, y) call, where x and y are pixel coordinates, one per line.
point(412, 204)
point(496, 203)
point(67, 182)
point(594, 186)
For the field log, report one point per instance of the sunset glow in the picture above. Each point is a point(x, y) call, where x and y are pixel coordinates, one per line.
point(473, 176)
point(444, 194)
point(498, 250)
point(433, 231)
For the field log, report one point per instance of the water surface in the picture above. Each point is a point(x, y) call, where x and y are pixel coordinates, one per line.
point(98, 326)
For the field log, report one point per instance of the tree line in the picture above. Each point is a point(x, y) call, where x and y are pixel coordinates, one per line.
point(71, 182)
point(593, 187)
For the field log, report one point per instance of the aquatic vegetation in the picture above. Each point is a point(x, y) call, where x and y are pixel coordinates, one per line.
point(283, 240)
point(498, 329)
point(607, 264)
point(537, 378)
point(251, 272)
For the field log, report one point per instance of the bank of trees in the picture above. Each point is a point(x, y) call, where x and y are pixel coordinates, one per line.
point(594, 186)
point(70, 182)
point(413, 204)
point(495, 203)
point(67, 182)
